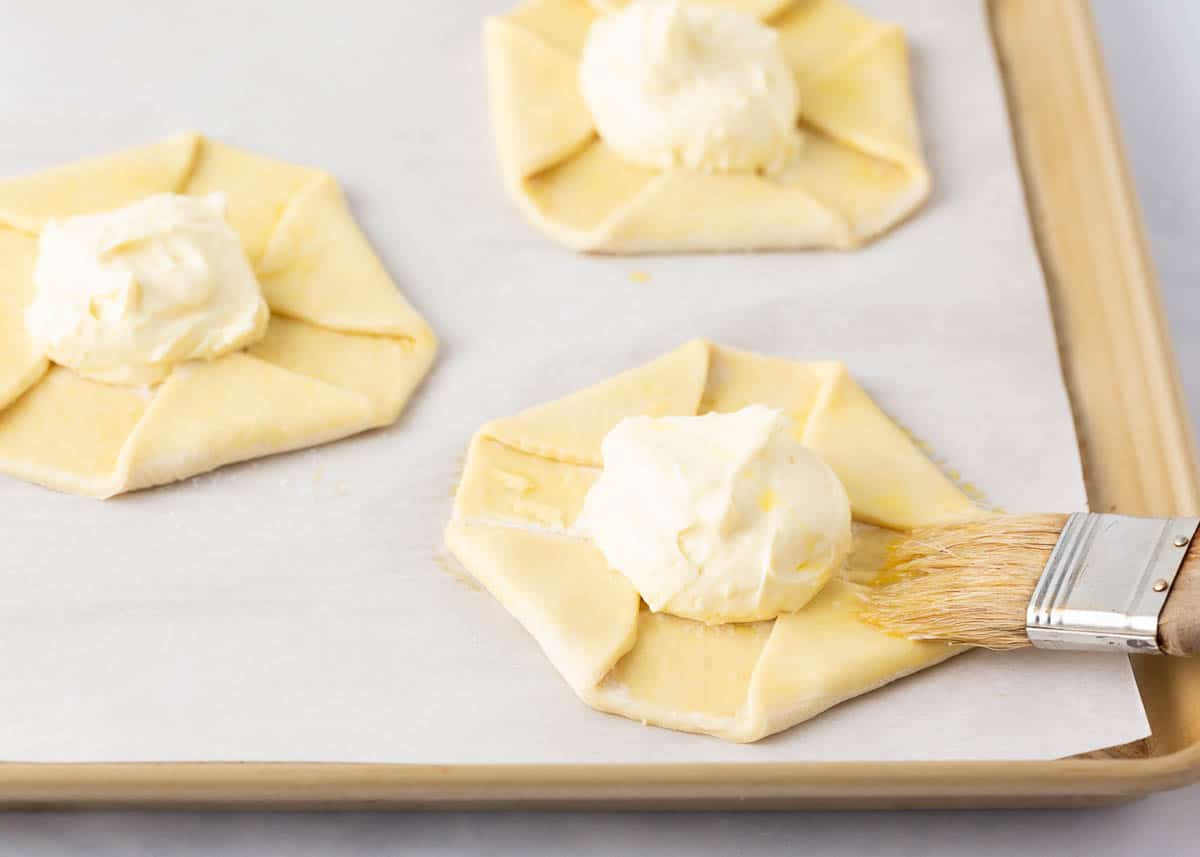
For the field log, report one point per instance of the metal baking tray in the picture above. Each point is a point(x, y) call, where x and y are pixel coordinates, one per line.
point(1138, 459)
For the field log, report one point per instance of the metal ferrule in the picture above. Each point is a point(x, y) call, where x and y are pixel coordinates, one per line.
point(1106, 582)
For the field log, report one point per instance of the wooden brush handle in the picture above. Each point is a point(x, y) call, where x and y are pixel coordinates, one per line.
point(1179, 622)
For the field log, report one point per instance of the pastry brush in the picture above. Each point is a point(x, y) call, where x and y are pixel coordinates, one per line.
point(1084, 581)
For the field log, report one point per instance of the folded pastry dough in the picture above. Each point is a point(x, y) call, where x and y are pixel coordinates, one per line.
point(343, 352)
point(523, 487)
point(859, 172)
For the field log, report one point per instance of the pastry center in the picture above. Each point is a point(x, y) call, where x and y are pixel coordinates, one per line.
point(672, 84)
point(121, 296)
point(718, 518)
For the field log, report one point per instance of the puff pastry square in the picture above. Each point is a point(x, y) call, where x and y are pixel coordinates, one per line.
point(523, 486)
point(859, 172)
point(343, 352)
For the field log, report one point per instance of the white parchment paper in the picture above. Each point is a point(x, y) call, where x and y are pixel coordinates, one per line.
point(301, 608)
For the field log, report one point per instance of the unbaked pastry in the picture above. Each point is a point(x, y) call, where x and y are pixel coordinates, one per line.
point(859, 171)
point(343, 351)
point(523, 486)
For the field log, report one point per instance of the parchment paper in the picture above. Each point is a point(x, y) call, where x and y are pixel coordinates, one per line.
point(301, 608)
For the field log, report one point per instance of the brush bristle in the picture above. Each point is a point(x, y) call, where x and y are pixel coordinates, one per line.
point(968, 582)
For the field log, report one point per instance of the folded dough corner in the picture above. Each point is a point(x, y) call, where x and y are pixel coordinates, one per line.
point(343, 353)
point(523, 486)
point(859, 172)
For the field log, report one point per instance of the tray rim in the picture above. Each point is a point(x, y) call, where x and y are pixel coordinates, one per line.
point(1139, 458)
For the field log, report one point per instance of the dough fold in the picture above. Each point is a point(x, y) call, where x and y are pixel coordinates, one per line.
point(97, 184)
point(572, 428)
point(21, 363)
point(264, 409)
point(257, 190)
point(532, 134)
point(67, 432)
point(891, 483)
point(581, 612)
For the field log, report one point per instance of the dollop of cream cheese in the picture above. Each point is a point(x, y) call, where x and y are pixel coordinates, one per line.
point(718, 518)
point(674, 84)
point(122, 296)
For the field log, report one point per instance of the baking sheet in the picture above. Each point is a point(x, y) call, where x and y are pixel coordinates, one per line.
point(301, 607)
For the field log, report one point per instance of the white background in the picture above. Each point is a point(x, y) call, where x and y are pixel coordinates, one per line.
point(1150, 51)
point(291, 608)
